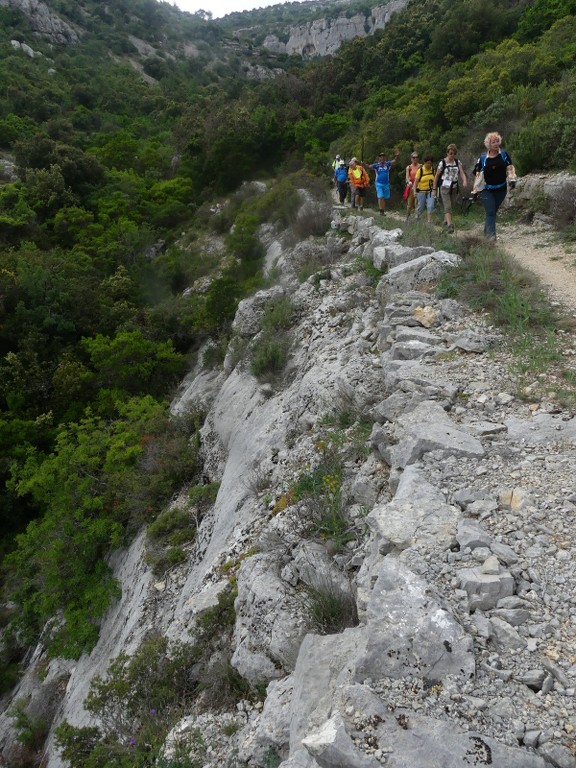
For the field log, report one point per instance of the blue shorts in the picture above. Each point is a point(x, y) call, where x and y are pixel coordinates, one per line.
point(383, 190)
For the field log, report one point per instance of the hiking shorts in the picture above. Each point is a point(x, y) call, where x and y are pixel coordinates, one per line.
point(383, 191)
point(360, 191)
point(447, 194)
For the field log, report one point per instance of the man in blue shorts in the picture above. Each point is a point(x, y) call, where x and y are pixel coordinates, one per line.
point(382, 168)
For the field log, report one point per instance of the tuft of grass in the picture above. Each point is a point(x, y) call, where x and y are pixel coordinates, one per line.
point(331, 608)
point(488, 279)
point(270, 351)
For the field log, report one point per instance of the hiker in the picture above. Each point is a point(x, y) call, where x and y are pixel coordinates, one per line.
point(359, 183)
point(494, 173)
point(423, 183)
point(336, 162)
point(382, 169)
point(410, 190)
point(449, 172)
point(341, 180)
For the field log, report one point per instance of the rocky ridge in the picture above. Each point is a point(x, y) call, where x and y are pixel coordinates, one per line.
point(323, 37)
point(460, 560)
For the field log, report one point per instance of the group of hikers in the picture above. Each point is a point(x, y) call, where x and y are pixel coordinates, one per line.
point(493, 174)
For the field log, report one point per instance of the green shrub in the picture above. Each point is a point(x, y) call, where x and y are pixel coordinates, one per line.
point(203, 496)
point(168, 522)
point(270, 355)
point(215, 352)
point(243, 240)
point(172, 529)
point(279, 204)
point(218, 622)
point(137, 703)
point(31, 729)
point(545, 143)
point(278, 315)
point(312, 221)
point(221, 686)
point(272, 759)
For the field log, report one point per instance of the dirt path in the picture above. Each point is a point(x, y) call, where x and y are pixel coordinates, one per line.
point(537, 249)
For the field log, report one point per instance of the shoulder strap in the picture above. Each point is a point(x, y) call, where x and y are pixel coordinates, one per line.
point(483, 157)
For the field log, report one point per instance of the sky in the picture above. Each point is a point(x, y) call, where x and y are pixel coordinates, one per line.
point(220, 8)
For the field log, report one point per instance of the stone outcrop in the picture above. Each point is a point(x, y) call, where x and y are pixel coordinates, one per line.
point(44, 22)
point(459, 548)
point(323, 37)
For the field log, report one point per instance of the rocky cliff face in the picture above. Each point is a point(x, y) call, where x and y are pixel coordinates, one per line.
point(44, 22)
point(455, 565)
point(324, 36)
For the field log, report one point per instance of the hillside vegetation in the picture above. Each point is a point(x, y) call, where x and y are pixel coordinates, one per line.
point(117, 153)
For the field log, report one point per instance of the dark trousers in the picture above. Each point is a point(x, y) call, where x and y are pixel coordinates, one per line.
point(492, 199)
point(342, 190)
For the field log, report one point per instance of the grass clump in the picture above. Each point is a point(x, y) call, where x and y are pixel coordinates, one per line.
point(489, 279)
point(320, 490)
point(166, 538)
point(331, 607)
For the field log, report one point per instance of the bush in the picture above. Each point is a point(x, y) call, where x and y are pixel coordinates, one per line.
point(137, 703)
point(278, 315)
point(545, 143)
point(203, 496)
point(279, 204)
point(243, 241)
point(269, 356)
point(168, 522)
point(31, 729)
